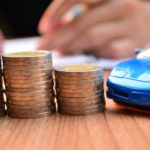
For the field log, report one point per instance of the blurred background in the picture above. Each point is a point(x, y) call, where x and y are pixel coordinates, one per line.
point(19, 18)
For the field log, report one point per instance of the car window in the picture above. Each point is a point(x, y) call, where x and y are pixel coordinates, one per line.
point(145, 54)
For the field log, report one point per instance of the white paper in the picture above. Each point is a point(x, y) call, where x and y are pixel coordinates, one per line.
point(29, 44)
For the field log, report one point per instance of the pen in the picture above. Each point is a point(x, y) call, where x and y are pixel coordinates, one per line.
point(75, 12)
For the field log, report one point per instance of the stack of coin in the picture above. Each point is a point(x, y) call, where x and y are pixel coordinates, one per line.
point(29, 84)
point(2, 105)
point(79, 89)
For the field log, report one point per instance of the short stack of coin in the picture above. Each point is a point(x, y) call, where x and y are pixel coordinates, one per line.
point(29, 84)
point(79, 89)
point(2, 105)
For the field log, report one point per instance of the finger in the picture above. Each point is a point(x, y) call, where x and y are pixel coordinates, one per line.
point(53, 13)
point(52, 17)
point(46, 42)
point(98, 35)
point(57, 40)
point(121, 48)
point(111, 10)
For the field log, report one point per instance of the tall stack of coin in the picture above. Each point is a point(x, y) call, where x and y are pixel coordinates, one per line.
point(2, 105)
point(29, 84)
point(79, 89)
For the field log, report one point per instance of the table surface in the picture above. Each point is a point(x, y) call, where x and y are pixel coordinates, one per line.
point(116, 128)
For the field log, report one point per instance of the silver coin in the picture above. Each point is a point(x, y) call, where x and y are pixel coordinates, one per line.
point(31, 116)
point(30, 89)
point(79, 76)
point(24, 73)
point(23, 86)
point(78, 69)
point(68, 81)
point(81, 108)
point(28, 106)
point(31, 98)
point(83, 85)
point(80, 95)
point(79, 90)
point(29, 67)
point(28, 109)
point(28, 98)
point(26, 77)
point(28, 94)
point(82, 89)
point(27, 63)
point(29, 81)
point(77, 95)
point(31, 102)
point(38, 115)
point(83, 113)
point(80, 100)
point(78, 104)
point(26, 60)
point(27, 56)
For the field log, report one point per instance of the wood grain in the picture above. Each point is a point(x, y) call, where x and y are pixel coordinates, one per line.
point(116, 129)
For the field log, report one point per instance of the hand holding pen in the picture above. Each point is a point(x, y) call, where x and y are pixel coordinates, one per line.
point(106, 28)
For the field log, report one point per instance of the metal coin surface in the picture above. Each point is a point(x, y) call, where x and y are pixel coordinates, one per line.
point(80, 76)
point(27, 56)
point(77, 95)
point(78, 70)
point(35, 80)
point(29, 84)
point(81, 100)
point(32, 98)
point(80, 108)
point(83, 113)
point(28, 116)
point(31, 102)
point(22, 86)
point(30, 89)
point(31, 111)
point(78, 104)
point(26, 68)
point(79, 86)
point(28, 94)
point(78, 82)
point(27, 72)
point(30, 105)
point(26, 77)
point(28, 110)
point(39, 106)
point(27, 63)
point(79, 90)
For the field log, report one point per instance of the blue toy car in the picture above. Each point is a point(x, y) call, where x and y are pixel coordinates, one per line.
point(129, 81)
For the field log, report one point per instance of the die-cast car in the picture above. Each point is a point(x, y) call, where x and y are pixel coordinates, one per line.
point(129, 81)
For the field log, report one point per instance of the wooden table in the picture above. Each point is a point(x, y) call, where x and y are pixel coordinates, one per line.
point(117, 128)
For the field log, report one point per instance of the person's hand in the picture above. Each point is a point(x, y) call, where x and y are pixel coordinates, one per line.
point(54, 13)
point(112, 29)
